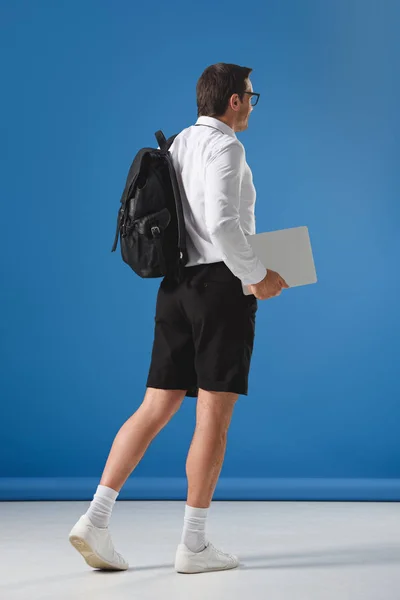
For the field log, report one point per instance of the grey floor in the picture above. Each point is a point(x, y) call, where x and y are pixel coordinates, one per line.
point(288, 550)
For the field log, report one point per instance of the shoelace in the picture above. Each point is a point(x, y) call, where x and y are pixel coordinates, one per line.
point(220, 552)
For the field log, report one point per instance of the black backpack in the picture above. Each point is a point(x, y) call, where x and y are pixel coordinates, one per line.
point(150, 220)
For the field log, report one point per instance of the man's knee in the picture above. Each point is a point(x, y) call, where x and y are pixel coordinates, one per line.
point(162, 404)
point(216, 407)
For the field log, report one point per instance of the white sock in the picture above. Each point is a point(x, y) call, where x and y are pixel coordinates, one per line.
point(100, 509)
point(194, 525)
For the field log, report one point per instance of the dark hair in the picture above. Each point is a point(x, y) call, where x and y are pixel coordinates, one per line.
point(216, 85)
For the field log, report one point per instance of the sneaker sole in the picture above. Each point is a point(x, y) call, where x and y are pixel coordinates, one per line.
point(194, 570)
point(92, 559)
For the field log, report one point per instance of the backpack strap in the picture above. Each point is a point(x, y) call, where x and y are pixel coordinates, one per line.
point(165, 145)
point(162, 141)
point(179, 212)
point(170, 141)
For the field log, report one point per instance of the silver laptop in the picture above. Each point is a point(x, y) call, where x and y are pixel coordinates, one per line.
point(287, 251)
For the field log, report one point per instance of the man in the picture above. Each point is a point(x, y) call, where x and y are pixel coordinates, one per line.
point(205, 325)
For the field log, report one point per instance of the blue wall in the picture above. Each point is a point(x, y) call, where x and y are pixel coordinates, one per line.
point(85, 85)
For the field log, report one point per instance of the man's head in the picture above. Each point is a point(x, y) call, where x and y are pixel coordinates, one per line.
point(224, 91)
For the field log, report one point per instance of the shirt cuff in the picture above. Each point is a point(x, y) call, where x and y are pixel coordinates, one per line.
point(255, 276)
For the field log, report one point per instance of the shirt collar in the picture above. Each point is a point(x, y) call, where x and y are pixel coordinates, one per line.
point(210, 121)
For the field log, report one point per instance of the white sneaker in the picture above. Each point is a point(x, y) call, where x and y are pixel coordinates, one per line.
point(96, 546)
point(209, 559)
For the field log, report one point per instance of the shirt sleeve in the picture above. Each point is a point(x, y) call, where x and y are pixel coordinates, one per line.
point(223, 176)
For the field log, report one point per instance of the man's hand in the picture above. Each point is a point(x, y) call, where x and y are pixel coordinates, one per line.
point(271, 286)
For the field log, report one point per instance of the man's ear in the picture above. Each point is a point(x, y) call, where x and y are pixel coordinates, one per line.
point(235, 101)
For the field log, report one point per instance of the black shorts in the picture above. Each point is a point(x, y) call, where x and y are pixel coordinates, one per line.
point(204, 332)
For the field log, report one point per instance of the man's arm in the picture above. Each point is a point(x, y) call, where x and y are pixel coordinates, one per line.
point(223, 175)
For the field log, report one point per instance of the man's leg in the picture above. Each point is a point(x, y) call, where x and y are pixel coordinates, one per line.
point(207, 451)
point(203, 467)
point(90, 536)
point(136, 434)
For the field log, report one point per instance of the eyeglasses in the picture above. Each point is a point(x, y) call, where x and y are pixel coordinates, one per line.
point(254, 97)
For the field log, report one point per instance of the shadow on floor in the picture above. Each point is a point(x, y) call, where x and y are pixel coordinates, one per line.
point(349, 556)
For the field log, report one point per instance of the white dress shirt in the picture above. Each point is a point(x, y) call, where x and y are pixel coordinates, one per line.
point(218, 198)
